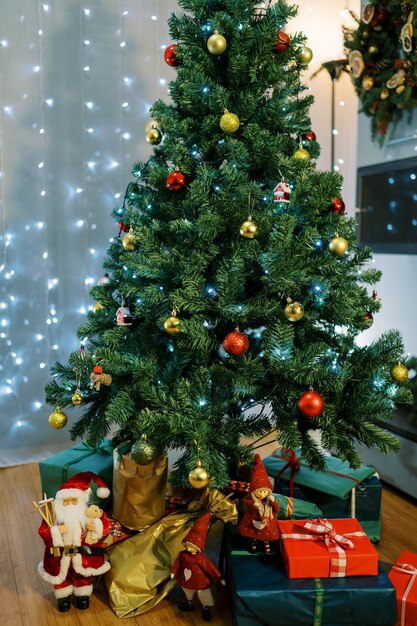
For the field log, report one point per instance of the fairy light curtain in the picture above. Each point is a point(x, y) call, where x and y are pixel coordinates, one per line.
point(76, 82)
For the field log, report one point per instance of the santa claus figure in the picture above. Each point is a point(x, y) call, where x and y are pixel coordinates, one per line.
point(69, 562)
point(259, 522)
point(193, 570)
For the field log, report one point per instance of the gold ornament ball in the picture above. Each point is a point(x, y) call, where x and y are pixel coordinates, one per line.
point(77, 398)
point(399, 373)
point(172, 324)
point(216, 44)
point(294, 311)
point(367, 83)
point(301, 154)
point(57, 418)
point(249, 229)
point(97, 307)
point(128, 241)
point(400, 89)
point(154, 136)
point(229, 122)
point(305, 55)
point(338, 246)
point(150, 124)
point(199, 477)
point(384, 93)
point(373, 49)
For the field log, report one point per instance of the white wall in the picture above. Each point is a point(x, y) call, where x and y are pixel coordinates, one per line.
point(321, 21)
point(397, 287)
point(398, 295)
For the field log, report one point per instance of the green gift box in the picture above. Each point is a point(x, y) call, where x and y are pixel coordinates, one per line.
point(263, 595)
point(340, 491)
point(81, 458)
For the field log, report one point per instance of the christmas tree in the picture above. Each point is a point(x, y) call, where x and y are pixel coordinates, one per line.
point(235, 290)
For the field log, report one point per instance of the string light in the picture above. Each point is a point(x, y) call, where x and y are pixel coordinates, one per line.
point(70, 186)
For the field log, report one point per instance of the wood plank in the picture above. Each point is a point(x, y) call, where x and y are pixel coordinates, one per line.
point(27, 600)
point(9, 608)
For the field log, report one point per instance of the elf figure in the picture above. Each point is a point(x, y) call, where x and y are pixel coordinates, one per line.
point(259, 522)
point(193, 570)
point(69, 562)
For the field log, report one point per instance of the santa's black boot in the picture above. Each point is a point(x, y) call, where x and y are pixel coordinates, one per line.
point(185, 605)
point(206, 614)
point(83, 602)
point(64, 604)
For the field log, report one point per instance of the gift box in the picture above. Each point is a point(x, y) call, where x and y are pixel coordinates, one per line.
point(263, 595)
point(81, 458)
point(340, 491)
point(403, 576)
point(327, 548)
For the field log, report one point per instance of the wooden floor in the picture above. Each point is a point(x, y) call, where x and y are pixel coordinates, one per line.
point(26, 600)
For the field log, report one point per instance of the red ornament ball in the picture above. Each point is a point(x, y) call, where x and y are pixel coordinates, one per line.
point(310, 136)
point(236, 343)
point(123, 227)
point(311, 403)
point(337, 206)
point(170, 55)
point(368, 318)
point(283, 43)
point(176, 181)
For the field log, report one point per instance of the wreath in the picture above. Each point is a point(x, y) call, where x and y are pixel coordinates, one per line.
point(382, 54)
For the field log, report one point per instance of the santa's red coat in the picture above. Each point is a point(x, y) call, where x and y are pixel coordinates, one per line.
point(54, 569)
point(193, 571)
point(246, 528)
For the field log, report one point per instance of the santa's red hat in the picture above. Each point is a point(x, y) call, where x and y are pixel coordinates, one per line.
point(79, 487)
point(198, 533)
point(259, 478)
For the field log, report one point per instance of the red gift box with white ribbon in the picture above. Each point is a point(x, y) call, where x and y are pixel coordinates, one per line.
point(403, 576)
point(327, 548)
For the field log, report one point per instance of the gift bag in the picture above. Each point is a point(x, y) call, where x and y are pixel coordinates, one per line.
point(139, 491)
point(139, 577)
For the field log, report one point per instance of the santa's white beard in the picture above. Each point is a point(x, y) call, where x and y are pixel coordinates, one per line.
point(74, 519)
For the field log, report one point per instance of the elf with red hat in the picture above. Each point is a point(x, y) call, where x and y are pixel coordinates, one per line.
point(69, 562)
point(259, 522)
point(193, 570)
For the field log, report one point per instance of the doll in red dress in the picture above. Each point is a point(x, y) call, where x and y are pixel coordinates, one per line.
point(259, 522)
point(193, 569)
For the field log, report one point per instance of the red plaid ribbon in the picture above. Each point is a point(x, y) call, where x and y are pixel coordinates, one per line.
point(238, 485)
point(336, 544)
point(406, 568)
point(293, 463)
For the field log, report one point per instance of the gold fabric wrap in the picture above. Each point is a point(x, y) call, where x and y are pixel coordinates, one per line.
point(139, 577)
point(139, 491)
